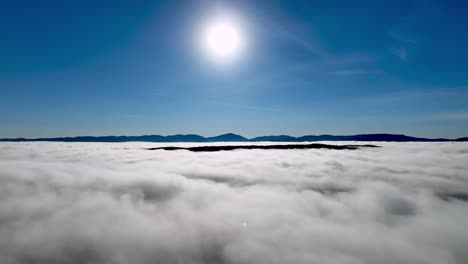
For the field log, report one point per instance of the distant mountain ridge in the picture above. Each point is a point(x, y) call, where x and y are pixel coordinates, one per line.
point(230, 137)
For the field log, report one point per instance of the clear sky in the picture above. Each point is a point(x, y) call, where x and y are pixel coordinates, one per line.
point(70, 68)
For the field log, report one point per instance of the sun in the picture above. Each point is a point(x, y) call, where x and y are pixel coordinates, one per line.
point(223, 39)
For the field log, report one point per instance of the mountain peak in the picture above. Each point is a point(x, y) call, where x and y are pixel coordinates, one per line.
point(231, 137)
point(228, 137)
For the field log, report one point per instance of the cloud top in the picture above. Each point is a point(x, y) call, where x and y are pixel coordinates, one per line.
point(119, 203)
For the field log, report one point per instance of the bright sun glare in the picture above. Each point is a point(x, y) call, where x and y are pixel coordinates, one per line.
point(223, 39)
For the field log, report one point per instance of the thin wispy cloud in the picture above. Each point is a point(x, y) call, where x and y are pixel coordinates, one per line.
point(451, 116)
point(401, 53)
point(404, 31)
point(311, 42)
point(461, 116)
point(245, 106)
point(353, 72)
point(410, 95)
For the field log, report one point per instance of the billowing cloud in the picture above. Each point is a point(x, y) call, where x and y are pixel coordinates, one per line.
point(119, 203)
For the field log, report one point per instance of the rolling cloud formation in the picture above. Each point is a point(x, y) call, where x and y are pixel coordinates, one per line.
point(119, 203)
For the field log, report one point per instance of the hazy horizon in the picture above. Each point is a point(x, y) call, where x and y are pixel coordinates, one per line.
point(224, 134)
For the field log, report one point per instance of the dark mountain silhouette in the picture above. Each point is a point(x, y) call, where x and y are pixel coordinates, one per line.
point(184, 138)
point(370, 137)
point(230, 137)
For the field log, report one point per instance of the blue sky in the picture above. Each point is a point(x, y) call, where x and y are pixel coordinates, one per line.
point(71, 68)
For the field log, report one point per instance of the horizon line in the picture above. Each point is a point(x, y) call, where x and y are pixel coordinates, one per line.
point(256, 138)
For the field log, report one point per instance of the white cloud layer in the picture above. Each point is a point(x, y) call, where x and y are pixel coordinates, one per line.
point(118, 203)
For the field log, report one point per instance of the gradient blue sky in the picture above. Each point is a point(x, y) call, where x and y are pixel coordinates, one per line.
point(71, 68)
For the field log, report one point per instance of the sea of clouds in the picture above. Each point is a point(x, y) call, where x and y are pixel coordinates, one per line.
point(119, 203)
